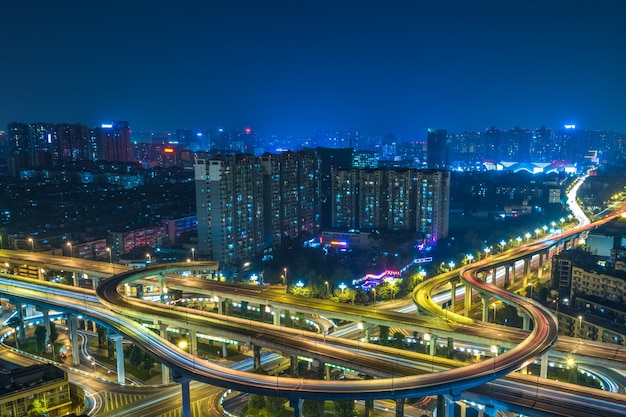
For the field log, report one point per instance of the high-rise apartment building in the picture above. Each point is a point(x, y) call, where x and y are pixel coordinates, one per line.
point(229, 204)
point(393, 200)
point(433, 204)
point(114, 141)
point(291, 195)
point(438, 149)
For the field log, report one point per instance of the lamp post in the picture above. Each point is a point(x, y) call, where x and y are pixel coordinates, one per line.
point(285, 274)
point(193, 254)
point(527, 236)
point(110, 255)
point(487, 250)
point(327, 287)
point(69, 244)
point(502, 245)
point(494, 313)
point(580, 326)
point(32, 243)
point(342, 287)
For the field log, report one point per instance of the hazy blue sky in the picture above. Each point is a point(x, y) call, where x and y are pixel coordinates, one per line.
point(300, 66)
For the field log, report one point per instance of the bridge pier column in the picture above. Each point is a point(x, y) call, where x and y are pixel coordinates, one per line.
point(224, 350)
point(467, 303)
point(399, 407)
point(161, 279)
point(220, 305)
point(293, 366)
point(543, 373)
point(276, 317)
point(433, 345)
point(46, 324)
point(485, 301)
point(453, 283)
point(525, 320)
point(193, 342)
point(463, 407)
point(366, 332)
point(186, 396)
point(493, 274)
point(507, 276)
point(327, 372)
point(527, 267)
point(72, 324)
point(95, 281)
point(75, 279)
point(257, 356)
point(40, 274)
point(119, 356)
point(20, 329)
point(297, 407)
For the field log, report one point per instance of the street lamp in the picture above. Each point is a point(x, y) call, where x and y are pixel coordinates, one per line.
point(110, 255)
point(580, 326)
point(193, 254)
point(451, 265)
point(342, 287)
point(494, 313)
point(469, 258)
point(487, 250)
point(69, 244)
point(519, 240)
point(527, 236)
point(32, 243)
point(94, 367)
point(327, 287)
point(285, 273)
point(149, 258)
point(502, 245)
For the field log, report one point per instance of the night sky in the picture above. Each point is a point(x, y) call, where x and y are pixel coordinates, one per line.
point(296, 67)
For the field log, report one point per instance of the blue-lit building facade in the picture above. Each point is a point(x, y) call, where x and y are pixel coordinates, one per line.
point(406, 200)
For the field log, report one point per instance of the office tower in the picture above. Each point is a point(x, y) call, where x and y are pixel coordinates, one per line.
point(30, 146)
point(330, 159)
point(229, 204)
point(438, 149)
point(433, 205)
point(291, 195)
point(114, 141)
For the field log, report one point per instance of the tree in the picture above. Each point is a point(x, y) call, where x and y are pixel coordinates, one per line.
point(312, 408)
point(134, 354)
point(102, 336)
point(383, 335)
point(275, 405)
point(40, 338)
point(37, 408)
point(147, 362)
point(398, 340)
point(54, 333)
point(344, 408)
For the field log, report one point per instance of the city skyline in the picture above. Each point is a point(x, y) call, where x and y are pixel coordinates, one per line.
point(284, 68)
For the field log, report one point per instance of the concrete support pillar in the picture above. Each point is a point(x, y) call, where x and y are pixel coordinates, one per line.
point(467, 304)
point(297, 407)
point(276, 317)
point(493, 276)
point(163, 330)
point(75, 279)
point(186, 397)
point(161, 279)
point(326, 372)
point(293, 366)
point(433, 345)
point(40, 274)
point(119, 356)
point(257, 356)
point(507, 276)
point(220, 306)
point(46, 324)
point(463, 409)
point(72, 327)
point(166, 375)
point(453, 283)
point(399, 407)
point(527, 266)
point(543, 372)
point(485, 300)
point(95, 280)
point(366, 332)
point(525, 320)
point(224, 350)
point(193, 342)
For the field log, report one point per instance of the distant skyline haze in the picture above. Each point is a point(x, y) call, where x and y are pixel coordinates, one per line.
point(294, 68)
